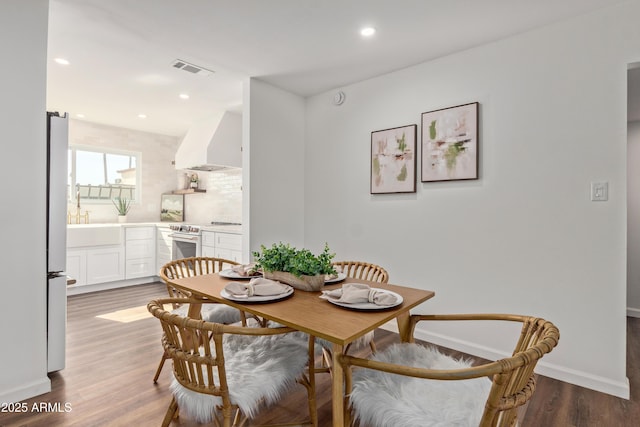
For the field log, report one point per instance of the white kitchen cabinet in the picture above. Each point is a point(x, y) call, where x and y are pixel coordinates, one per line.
point(222, 245)
point(93, 265)
point(228, 254)
point(208, 246)
point(77, 265)
point(209, 251)
point(95, 253)
point(164, 247)
point(105, 264)
point(140, 252)
point(229, 246)
point(209, 239)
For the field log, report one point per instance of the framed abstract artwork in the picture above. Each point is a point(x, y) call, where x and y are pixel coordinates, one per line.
point(450, 144)
point(393, 160)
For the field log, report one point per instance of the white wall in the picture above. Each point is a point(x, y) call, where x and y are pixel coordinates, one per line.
point(525, 237)
point(273, 166)
point(23, 359)
point(633, 219)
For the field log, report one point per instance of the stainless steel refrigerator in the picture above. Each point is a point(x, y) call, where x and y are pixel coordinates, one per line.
point(57, 173)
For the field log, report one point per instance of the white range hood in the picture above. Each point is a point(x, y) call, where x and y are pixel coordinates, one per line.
point(212, 143)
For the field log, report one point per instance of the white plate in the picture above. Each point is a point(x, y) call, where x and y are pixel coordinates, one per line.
point(370, 305)
point(256, 298)
point(230, 274)
point(340, 278)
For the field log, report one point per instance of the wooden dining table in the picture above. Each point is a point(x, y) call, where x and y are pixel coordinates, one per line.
point(306, 312)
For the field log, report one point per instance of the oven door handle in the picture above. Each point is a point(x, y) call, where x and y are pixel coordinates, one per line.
point(183, 238)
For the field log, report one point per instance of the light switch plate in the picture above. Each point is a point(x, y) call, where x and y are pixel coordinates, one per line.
point(599, 191)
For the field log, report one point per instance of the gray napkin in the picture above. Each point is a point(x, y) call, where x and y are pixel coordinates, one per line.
point(354, 293)
point(256, 287)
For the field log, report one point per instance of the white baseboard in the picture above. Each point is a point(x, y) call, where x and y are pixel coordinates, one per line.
point(562, 373)
point(84, 289)
point(633, 312)
point(26, 391)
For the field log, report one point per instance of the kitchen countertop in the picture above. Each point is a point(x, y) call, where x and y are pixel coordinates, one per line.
point(115, 224)
point(235, 229)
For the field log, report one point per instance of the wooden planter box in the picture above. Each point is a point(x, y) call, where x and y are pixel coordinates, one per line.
point(304, 283)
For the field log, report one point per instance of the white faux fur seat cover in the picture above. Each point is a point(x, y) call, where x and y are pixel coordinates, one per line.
point(381, 399)
point(262, 367)
point(218, 313)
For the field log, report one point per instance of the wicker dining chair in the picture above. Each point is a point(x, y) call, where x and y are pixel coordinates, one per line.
point(362, 270)
point(358, 270)
point(414, 385)
point(211, 311)
point(227, 373)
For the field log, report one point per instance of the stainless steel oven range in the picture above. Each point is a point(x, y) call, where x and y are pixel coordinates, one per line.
point(187, 241)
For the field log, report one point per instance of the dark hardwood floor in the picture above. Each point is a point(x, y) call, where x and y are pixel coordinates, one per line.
point(110, 366)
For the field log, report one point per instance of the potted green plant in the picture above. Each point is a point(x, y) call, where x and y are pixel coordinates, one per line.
point(193, 181)
point(299, 268)
point(122, 205)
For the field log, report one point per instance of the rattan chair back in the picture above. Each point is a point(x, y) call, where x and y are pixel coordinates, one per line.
point(188, 267)
point(513, 379)
point(357, 270)
point(196, 348)
point(362, 270)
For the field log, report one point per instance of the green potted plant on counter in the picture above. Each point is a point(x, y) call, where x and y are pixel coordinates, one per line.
point(299, 268)
point(122, 205)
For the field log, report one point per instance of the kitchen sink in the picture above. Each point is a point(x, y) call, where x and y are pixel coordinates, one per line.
point(79, 235)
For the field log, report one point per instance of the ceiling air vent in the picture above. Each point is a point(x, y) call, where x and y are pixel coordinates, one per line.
point(190, 68)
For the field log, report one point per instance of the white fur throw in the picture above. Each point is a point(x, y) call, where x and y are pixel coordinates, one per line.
point(381, 399)
point(262, 367)
point(218, 313)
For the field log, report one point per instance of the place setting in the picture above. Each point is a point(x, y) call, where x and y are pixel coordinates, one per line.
point(360, 296)
point(242, 271)
point(334, 278)
point(258, 289)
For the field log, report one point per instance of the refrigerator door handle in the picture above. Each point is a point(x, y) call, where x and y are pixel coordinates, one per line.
point(52, 274)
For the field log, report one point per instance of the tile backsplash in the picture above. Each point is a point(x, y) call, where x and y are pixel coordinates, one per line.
point(222, 200)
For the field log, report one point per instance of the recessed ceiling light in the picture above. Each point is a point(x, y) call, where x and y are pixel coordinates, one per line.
point(61, 61)
point(367, 31)
point(80, 116)
point(142, 116)
point(184, 96)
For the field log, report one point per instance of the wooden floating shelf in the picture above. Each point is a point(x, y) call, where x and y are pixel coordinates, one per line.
point(189, 191)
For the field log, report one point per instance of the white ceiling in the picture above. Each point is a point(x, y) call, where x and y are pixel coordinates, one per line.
point(120, 51)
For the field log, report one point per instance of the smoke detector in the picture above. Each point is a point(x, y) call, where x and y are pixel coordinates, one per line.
point(338, 98)
point(191, 68)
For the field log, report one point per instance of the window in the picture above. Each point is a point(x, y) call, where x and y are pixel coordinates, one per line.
point(99, 175)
